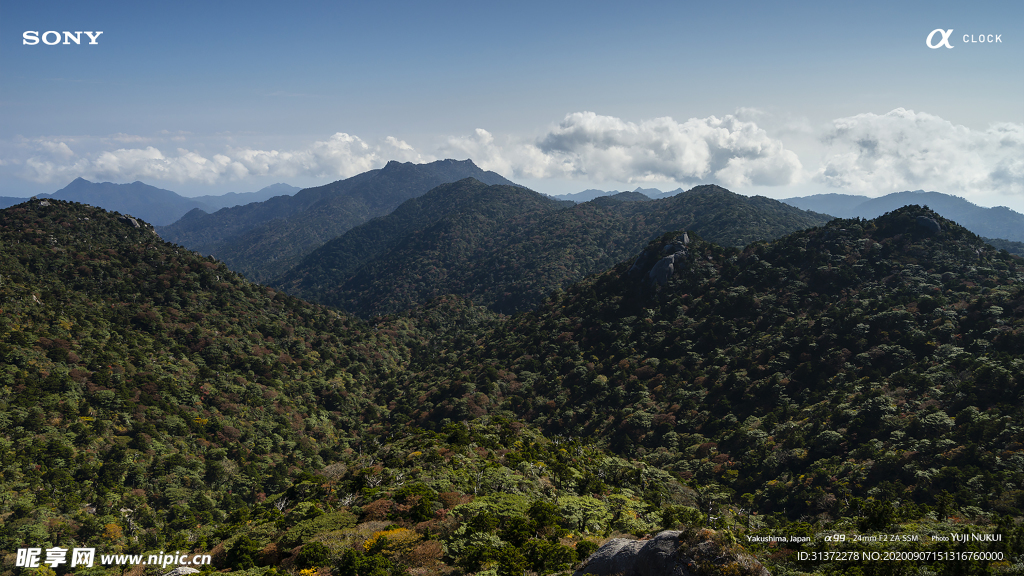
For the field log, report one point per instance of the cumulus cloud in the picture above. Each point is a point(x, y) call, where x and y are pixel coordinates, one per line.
point(485, 153)
point(57, 149)
point(865, 154)
point(340, 156)
point(590, 146)
point(57, 162)
point(906, 150)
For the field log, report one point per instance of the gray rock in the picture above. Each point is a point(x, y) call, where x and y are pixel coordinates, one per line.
point(660, 556)
point(666, 267)
point(929, 224)
point(130, 221)
point(663, 270)
point(656, 557)
point(667, 554)
point(181, 571)
point(617, 556)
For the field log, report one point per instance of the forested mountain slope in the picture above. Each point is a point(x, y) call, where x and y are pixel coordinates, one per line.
point(860, 376)
point(135, 370)
point(423, 249)
point(509, 260)
point(859, 360)
point(152, 400)
point(262, 240)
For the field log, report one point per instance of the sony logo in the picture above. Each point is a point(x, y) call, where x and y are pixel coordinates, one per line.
point(52, 37)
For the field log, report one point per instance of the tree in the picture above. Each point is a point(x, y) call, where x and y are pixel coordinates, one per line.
point(313, 555)
point(243, 553)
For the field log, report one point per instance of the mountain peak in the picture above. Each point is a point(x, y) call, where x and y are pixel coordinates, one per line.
point(76, 184)
point(293, 226)
point(142, 200)
point(467, 163)
point(708, 189)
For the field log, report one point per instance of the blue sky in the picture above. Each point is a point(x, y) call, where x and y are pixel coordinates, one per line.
point(779, 99)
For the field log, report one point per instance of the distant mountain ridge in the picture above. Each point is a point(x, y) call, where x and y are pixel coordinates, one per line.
point(241, 198)
point(155, 205)
point(508, 249)
point(593, 193)
point(263, 240)
point(998, 222)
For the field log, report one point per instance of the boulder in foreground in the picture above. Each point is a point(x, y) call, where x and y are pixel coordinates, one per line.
point(692, 552)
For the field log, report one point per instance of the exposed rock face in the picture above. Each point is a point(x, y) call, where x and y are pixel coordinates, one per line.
point(658, 556)
point(666, 258)
point(130, 221)
point(929, 224)
point(655, 557)
point(617, 556)
point(662, 271)
point(670, 553)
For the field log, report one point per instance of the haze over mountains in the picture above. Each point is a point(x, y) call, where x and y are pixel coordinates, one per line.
point(592, 193)
point(997, 222)
point(154, 205)
point(240, 198)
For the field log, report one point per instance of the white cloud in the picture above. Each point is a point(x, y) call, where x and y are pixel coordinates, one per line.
point(340, 156)
point(57, 149)
point(589, 146)
point(481, 148)
point(864, 154)
point(907, 150)
point(400, 150)
point(128, 164)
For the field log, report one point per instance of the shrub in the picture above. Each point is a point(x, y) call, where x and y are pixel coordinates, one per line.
point(314, 554)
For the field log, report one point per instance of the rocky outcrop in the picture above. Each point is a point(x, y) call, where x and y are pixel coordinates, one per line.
point(181, 571)
point(130, 221)
point(929, 224)
point(656, 556)
point(617, 556)
point(665, 261)
point(671, 553)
